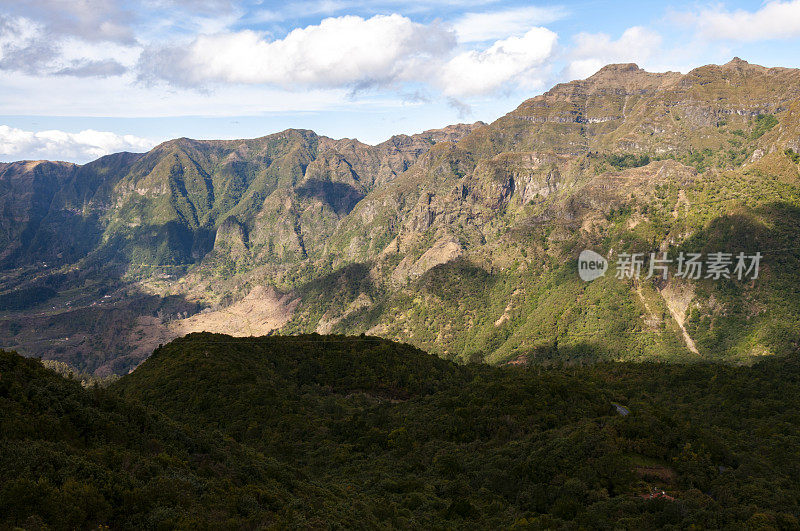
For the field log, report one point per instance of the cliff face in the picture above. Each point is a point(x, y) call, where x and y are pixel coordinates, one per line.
point(461, 240)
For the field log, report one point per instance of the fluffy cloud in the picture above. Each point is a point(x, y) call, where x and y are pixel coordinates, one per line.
point(477, 27)
point(16, 144)
point(515, 60)
point(774, 20)
point(594, 50)
point(341, 51)
point(354, 52)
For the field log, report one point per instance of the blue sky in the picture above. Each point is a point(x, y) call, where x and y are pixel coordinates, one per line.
point(82, 78)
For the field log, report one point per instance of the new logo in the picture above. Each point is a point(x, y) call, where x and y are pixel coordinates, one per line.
point(591, 265)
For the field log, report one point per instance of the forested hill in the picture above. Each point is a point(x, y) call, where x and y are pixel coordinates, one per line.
point(335, 431)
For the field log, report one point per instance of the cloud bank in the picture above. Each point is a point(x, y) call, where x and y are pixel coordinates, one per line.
point(17, 144)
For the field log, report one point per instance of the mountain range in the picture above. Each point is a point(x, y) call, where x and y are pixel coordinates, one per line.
point(463, 241)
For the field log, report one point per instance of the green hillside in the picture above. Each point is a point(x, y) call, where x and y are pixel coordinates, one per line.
point(74, 458)
point(334, 431)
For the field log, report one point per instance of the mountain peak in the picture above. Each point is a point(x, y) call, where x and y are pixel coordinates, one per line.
point(618, 68)
point(628, 75)
point(736, 61)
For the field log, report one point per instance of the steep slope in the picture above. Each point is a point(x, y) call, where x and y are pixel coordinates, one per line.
point(27, 190)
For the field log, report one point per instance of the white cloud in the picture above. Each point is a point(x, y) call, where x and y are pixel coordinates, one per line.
point(341, 51)
point(27, 46)
point(77, 50)
point(22, 46)
point(516, 60)
point(477, 27)
point(92, 20)
point(93, 68)
point(774, 20)
point(16, 144)
point(592, 51)
point(17, 30)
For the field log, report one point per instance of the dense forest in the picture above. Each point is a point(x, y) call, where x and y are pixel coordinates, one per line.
point(359, 432)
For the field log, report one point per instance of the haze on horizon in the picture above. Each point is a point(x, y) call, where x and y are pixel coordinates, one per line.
point(83, 79)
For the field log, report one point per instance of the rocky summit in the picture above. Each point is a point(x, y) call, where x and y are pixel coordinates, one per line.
point(463, 241)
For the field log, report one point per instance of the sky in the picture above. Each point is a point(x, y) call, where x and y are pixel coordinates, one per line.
point(83, 78)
